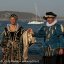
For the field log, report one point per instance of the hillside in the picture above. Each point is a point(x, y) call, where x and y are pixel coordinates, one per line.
point(21, 15)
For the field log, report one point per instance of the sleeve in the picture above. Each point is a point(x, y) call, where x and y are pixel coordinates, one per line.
point(4, 40)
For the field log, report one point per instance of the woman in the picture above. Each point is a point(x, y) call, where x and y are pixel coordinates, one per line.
point(15, 41)
point(12, 45)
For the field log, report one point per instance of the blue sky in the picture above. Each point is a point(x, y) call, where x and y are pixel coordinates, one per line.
point(43, 6)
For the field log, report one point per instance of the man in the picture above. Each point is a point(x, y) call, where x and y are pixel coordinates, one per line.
point(51, 32)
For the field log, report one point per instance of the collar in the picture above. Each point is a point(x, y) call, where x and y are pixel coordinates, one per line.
point(8, 27)
point(53, 23)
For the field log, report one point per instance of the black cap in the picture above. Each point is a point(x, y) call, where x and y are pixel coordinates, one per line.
point(49, 14)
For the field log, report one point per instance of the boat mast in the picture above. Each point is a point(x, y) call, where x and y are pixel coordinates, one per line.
point(36, 11)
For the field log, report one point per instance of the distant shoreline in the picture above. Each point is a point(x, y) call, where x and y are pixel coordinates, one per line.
point(4, 19)
point(7, 19)
point(23, 19)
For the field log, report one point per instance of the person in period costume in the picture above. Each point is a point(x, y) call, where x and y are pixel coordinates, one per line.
point(15, 41)
point(52, 33)
point(12, 45)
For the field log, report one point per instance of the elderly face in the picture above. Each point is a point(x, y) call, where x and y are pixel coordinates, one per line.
point(12, 20)
point(50, 20)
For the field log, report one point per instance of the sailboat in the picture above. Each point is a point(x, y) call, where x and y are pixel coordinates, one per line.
point(36, 21)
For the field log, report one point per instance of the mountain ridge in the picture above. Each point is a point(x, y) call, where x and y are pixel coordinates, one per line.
point(21, 15)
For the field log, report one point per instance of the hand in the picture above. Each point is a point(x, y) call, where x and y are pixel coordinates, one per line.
point(60, 51)
point(30, 30)
point(2, 49)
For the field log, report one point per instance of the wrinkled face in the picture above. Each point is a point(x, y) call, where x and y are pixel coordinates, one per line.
point(50, 20)
point(12, 20)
